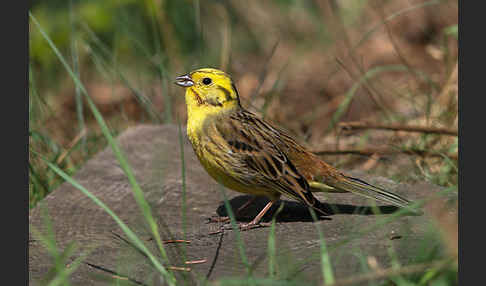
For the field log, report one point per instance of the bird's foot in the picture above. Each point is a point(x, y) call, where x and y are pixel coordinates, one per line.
point(242, 227)
point(218, 219)
point(248, 226)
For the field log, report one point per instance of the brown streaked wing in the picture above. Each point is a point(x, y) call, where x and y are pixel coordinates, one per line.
point(256, 143)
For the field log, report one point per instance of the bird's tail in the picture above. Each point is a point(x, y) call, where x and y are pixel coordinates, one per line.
point(365, 189)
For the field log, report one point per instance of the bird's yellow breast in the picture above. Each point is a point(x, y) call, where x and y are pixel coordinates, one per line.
point(202, 134)
point(216, 163)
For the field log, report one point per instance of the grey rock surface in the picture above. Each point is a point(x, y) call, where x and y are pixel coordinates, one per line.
point(354, 234)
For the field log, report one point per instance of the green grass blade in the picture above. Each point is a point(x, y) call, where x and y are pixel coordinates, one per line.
point(272, 247)
point(128, 232)
point(63, 273)
point(352, 91)
point(60, 279)
point(379, 223)
point(184, 196)
point(326, 266)
point(236, 229)
point(48, 240)
point(137, 191)
point(75, 61)
point(100, 56)
point(152, 9)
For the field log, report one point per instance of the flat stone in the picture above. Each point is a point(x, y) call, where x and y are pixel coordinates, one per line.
point(354, 235)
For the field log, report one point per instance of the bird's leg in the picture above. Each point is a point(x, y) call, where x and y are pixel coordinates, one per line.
point(240, 209)
point(256, 221)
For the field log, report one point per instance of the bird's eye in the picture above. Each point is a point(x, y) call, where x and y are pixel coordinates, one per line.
point(206, 80)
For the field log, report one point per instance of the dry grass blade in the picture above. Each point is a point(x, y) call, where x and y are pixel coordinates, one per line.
point(397, 127)
point(114, 274)
point(225, 35)
point(385, 151)
point(448, 85)
point(71, 145)
point(129, 243)
point(373, 94)
point(264, 72)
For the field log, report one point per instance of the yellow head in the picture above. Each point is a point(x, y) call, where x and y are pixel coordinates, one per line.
point(209, 91)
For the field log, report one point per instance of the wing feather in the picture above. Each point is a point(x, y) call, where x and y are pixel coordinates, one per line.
point(255, 143)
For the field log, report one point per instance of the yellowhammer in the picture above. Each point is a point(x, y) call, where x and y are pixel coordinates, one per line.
point(251, 156)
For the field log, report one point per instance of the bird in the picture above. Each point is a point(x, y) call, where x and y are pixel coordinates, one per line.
point(250, 155)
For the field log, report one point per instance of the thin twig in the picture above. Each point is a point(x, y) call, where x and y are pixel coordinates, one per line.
point(220, 243)
point(176, 241)
point(385, 151)
point(196, 261)
point(398, 127)
point(177, 268)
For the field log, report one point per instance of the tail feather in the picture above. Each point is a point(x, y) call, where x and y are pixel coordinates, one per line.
point(363, 188)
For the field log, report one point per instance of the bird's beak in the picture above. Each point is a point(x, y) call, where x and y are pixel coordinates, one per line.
point(184, 81)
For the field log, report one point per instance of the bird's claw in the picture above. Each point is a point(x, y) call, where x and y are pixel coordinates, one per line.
point(241, 227)
point(218, 219)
